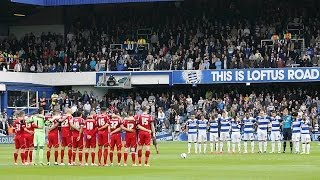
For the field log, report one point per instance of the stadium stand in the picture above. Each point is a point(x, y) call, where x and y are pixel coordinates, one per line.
point(224, 36)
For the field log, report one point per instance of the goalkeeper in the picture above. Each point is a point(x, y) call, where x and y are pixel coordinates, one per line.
point(39, 135)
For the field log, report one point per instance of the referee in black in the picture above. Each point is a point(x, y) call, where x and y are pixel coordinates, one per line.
point(286, 126)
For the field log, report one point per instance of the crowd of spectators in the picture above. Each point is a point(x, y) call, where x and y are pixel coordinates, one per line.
point(178, 40)
point(173, 106)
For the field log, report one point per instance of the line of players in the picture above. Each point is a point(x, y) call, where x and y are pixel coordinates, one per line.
point(220, 129)
point(77, 133)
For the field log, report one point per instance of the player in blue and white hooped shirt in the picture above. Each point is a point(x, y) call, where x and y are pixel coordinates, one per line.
point(235, 134)
point(224, 130)
point(191, 129)
point(248, 123)
point(214, 133)
point(263, 120)
point(275, 132)
point(202, 133)
point(296, 133)
point(305, 135)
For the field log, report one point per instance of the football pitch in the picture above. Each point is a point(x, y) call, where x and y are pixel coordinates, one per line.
point(169, 165)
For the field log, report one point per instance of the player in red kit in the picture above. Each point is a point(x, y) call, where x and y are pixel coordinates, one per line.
point(146, 130)
point(77, 124)
point(130, 126)
point(103, 135)
point(115, 137)
point(19, 140)
point(90, 133)
point(66, 138)
point(29, 132)
point(53, 134)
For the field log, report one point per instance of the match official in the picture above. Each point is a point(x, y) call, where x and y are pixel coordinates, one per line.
point(286, 129)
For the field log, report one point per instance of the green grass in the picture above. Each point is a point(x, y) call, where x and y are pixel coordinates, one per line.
point(168, 165)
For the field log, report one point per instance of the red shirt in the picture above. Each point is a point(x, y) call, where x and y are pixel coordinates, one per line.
point(65, 126)
point(55, 131)
point(145, 121)
point(78, 122)
point(130, 124)
point(102, 119)
point(30, 127)
point(115, 123)
point(18, 127)
point(90, 127)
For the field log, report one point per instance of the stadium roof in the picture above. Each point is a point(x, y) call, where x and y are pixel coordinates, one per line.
point(79, 2)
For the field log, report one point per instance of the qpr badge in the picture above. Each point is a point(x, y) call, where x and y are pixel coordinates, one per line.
point(192, 77)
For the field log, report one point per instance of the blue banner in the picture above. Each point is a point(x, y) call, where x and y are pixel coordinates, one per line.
point(246, 76)
point(6, 140)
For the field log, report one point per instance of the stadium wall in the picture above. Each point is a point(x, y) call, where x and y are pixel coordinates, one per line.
point(37, 30)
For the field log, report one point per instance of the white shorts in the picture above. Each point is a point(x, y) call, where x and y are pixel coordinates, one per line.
point(192, 137)
point(248, 137)
point(202, 137)
point(275, 136)
point(235, 137)
point(296, 137)
point(214, 137)
point(224, 136)
point(305, 138)
point(262, 135)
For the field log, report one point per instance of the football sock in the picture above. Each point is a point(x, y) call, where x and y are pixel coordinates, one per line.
point(86, 157)
point(284, 146)
point(252, 146)
point(260, 146)
point(139, 155)
point(99, 155)
point(41, 155)
point(279, 146)
point(22, 157)
point(56, 154)
point(15, 157)
point(48, 156)
point(303, 148)
point(30, 155)
point(80, 155)
point(265, 146)
point(211, 147)
point(217, 146)
point(298, 146)
point(70, 155)
point(119, 157)
point(111, 156)
point(125, 157)
point(221, 146)
point(291, 146)
point(228, 145)
point(147, 157)
point(105, 156)
point(26, 154)
point(93, 155)
point(273, 146)
point(73, 156)
point(204, 148)
point(308, 148)
point(62, 155)
point(189, 147)
point(196, 147)
point(245, 144)
point(34, 155)
point(133, 157)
